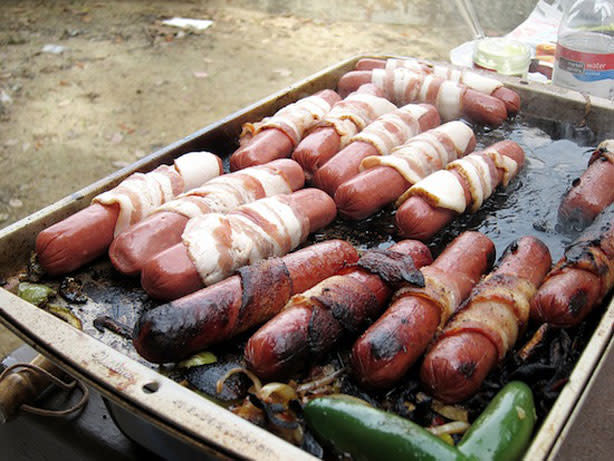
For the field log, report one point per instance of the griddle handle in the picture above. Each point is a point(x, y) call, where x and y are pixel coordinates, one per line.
point(23, 387)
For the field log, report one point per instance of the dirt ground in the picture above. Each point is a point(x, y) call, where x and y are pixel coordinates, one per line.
point(89, 87)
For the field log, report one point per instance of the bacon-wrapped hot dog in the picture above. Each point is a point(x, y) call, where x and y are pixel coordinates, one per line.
point(380, 138)
point(164, 227)
point(433, 202)
point(173, 331)
point(275, 137)
point(346, 118)
point(452, 99)
point(488, 323)
point(86, 235)
point(474, 80)
point(384, 353)
point(346, 303)
point(579, 281)
point(591, 192)
point(215, 245)
point(385, 178)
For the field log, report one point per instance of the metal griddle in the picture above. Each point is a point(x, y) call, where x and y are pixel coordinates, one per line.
point(557, 129)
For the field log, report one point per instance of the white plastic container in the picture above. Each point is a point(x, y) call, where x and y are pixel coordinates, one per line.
point(585, 48)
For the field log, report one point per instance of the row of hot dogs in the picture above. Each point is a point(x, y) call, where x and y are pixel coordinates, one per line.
point(186, 227)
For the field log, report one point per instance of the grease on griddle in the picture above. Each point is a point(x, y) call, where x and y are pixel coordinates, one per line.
point(71, 289)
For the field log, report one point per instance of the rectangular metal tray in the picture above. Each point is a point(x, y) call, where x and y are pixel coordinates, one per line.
point(183, 414)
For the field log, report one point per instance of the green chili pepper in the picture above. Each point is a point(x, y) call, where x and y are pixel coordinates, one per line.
point(366, 433)
point(351, 425)
point(503, 430)
point(35, 293)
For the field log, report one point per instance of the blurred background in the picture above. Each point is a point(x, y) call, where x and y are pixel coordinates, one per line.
point(87, 87)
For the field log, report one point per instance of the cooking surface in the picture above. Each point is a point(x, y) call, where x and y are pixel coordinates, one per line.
point(555, 155)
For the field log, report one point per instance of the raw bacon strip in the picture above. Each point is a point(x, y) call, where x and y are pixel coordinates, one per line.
point(384, 353)
point(214, 314)
point(277, 136)
point(581, 279)
point(344, 304)
point(351, 115)
point(426, 153)
point(452, 99)
point(334, 132)
point(487, 326)
point(215, 245)
point(163, 228)
point(87, 234)
point(378, 138)
point(218, 244)
point(141, 193)
point(466, 183)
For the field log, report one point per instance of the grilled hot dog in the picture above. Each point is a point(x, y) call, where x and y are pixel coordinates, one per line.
point(384, 353)
point(313, 321)
point(488, 324)
point(592, 192)
point(173, 331)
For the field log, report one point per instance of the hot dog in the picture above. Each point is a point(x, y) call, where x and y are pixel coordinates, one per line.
point(86, 235)
point(473, 80)
point(275, 137)
point(592, 192)
point(433, 202)
point(384, 353)
point(173, 331)
point(164, 227)
point(335, 131)
point(344, 304)
point(380, 138)
point(580, 280)
point(481, 333)
point(386, 178)
point(215, 245)
point(452, 99)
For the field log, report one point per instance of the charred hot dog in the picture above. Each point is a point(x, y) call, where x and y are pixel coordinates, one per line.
point(489, 323)
point(384, 353)
point(187, 325)
point(313, 321)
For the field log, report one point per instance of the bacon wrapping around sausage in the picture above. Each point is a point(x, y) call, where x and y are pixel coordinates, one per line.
point(580, 280)
point(276, 136)
point(591, 192)
point(474, 80)
point(389, 347)
point(487, 325)
point(465, 184)
point(173, 331)
point(335, 131)
point(379, 138)
point(164, 227)
point(344, 304)
point(86, 235)
point(383, 179)
point(215, 245)
point(453, 100)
